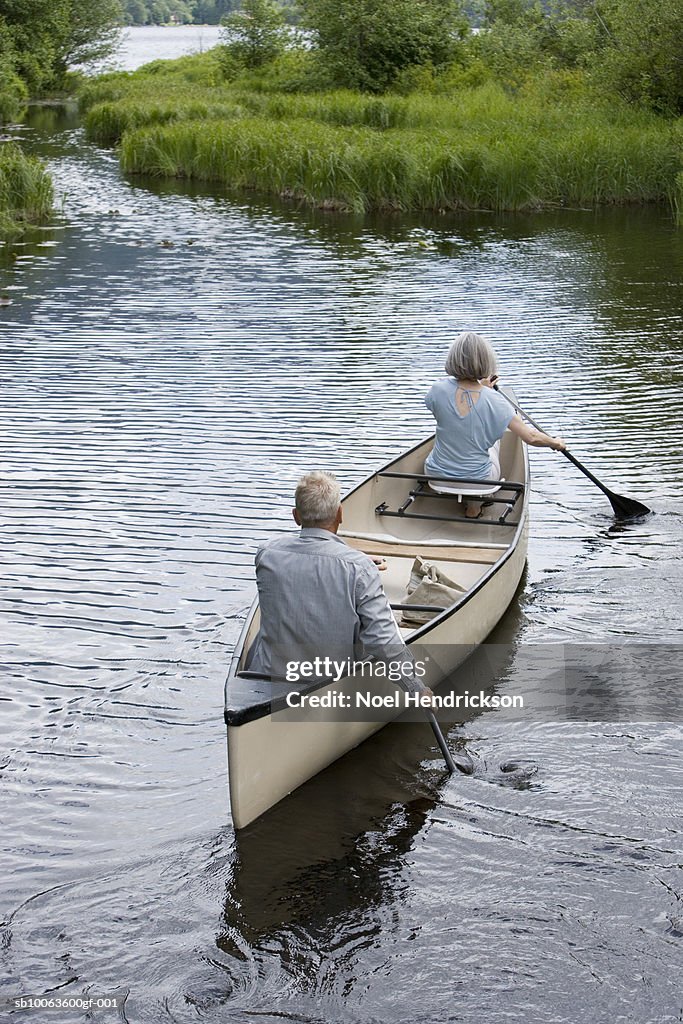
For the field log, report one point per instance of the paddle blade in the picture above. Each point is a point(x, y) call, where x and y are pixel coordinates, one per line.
point(627, 508)
point(624, 508)
point(464, 764)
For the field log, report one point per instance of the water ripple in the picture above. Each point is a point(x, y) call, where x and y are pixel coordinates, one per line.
point(172, 360)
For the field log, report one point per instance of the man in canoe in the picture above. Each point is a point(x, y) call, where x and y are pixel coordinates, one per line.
point(319, 596)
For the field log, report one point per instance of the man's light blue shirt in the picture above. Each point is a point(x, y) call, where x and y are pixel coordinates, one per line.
point(317, 592)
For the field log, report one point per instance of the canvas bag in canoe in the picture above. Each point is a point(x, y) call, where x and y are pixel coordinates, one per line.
point(429, 585)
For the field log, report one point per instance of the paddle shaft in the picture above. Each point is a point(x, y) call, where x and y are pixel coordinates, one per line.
point(621, 505)
point(567, 454)
point(447, 756)
point(466, 769)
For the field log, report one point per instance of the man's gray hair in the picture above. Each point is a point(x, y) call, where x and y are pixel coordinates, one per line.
point(471, 357)
point(317, 498)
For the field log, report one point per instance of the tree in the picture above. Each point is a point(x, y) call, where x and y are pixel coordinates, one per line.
point(13, 91)
point(366, 44)
point(642, 56)
point(211, 12)
point(161, 12)
point(254, 35)
point(31, 28)
point(135, 12)
point(632, 47)
point(523, 37)
point(511, 41)
point(48, 36)
point(91, 32)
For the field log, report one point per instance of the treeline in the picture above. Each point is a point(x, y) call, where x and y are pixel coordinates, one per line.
point(629, 47)
point(189, 12)
point(185, 12)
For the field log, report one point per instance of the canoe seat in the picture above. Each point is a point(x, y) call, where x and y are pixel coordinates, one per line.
point(461, 491)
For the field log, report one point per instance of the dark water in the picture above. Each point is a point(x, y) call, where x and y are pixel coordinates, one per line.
point(172, 360)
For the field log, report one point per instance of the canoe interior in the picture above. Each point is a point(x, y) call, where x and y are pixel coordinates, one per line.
point(360, 516)
point(466, 551)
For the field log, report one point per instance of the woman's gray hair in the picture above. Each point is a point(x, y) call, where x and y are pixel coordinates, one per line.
point(471, 357)
point(317, 498)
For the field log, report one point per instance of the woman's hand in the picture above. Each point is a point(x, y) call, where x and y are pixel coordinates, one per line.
point(489, 382)
point(559, 444)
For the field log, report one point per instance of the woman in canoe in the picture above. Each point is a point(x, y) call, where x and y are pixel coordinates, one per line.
point(471, 417)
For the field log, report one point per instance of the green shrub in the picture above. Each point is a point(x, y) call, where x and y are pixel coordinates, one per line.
point(367, 45)
point(296, 70)
point(641, 58)
point(447, 80)
point(254, 34)
point(13, 92)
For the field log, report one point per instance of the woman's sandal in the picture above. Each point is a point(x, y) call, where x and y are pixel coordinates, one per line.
point(480, 513)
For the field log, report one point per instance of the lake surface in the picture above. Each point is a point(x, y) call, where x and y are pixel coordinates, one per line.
point(145, 43)
point(172, 360)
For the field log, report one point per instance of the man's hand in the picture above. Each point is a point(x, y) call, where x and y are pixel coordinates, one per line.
point(380, 562)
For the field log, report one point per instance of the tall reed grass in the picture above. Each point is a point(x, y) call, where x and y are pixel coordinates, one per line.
point(26, 192)
point(552, 144)
point(361, 169)
point(676, 199)
point(106, 122)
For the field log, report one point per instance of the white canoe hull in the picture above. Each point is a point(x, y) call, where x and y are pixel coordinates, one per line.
point(271, 755)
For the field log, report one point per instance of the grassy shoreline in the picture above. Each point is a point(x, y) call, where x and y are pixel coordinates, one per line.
point(26, 192)
point(551, 144)
point(362, 170)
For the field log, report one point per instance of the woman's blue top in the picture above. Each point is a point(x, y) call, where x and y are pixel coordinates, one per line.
point(462, 442)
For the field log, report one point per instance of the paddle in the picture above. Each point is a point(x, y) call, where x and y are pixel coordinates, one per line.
point(466, 767)
point(624, 508)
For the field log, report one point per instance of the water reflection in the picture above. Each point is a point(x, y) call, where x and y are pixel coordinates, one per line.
point(323, 854)
point(337, 845)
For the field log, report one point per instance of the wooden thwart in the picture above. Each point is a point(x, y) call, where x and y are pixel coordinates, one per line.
point(487, 556)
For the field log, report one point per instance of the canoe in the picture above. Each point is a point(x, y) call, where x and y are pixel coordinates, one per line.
point(396, 514)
